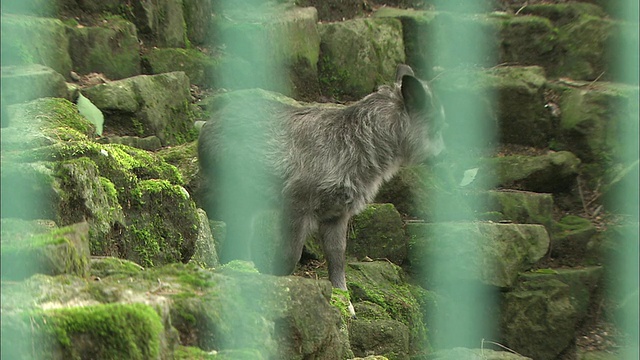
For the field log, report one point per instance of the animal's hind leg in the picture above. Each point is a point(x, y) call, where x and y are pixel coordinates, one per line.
point(334, 243)
point(295, 229)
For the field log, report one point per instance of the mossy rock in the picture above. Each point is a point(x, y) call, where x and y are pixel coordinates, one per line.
point(199, 67)
point(538, 317)
point(521, 207)
point(232, 313)
point(111, 266)
point(273, 46)
point(29, 82)
point(554, 172)
point(160, 23)
point(530, 40)
point(44, 122)
point(185, 158)
point(128, 196)
point(197, 18)
point(147, 105)
point(162, 225)
point(84, 194)
point(28, 190)
point(109, 331)
point(489, 253)
point(571, 239)
point(32, 42)
point(148, 143)
point(376, 42)
point(112, 48)
point(594, 122)
point(583, 33)
point(413, 191)
point(508, 100)
point(383, 284)
point(389, 338)
point(60, 251)
point(419, 49)
point(378, 233)
point(43, 8)
point(205, 253)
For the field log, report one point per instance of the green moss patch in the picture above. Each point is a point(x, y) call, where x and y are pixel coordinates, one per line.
point(382, 283)
point(61, 251)
point(110, 331)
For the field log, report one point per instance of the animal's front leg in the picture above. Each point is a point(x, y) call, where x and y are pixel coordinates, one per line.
point(295, 228)
point(334, 242)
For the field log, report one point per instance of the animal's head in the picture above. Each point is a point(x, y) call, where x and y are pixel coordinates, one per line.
point(425, 112)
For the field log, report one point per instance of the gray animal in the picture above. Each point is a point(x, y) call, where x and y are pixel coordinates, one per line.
point(319, 165)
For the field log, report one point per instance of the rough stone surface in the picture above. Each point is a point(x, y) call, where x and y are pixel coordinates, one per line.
point(594, 118)
point(550, 173)
point(571, 238)
point(161, 22)
point(538, 317)
point(274, 48)
point(472, 354)
point(493, 254)
point(205, 253)
point(197, 17)
point(382, 337)
point(376, 43)
point(518, 114)
point(199, 67)
point(580, 36)
point(378, 233)
point(31, 42)
point(112, 49)
point(381, 283)
point(147, 105)
point(133, 201)
point(25, 83)
point(521, 207)
point(62, 251)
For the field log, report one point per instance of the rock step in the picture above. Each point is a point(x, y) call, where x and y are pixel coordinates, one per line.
point(147, 313)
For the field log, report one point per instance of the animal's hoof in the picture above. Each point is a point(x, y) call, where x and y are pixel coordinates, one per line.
point(352, 311)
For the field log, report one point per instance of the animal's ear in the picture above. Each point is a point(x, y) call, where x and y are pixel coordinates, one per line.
point(402, 70)
point(414, 94)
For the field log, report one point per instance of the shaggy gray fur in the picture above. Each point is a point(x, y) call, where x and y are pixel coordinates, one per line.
point(321, 165)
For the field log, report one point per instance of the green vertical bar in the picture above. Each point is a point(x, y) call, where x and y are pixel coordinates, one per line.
point(17, 197)
point(461, 46)
point(251, 43)
point(626, 263)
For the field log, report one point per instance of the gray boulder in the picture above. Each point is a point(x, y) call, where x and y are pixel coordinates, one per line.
point(57, 252)
point(160, 22)
point(274, 47)
point(493, 254)
point(379, 290)
point(111, 48)
point(538, 317)
point(35, 40)
point(147, 105)
point(521, 207)
point(29, 82)
point(197, 18)
point(378, 233)
point(377, 45)
point(553, 172)
point(383, 337)
point(594, 119)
